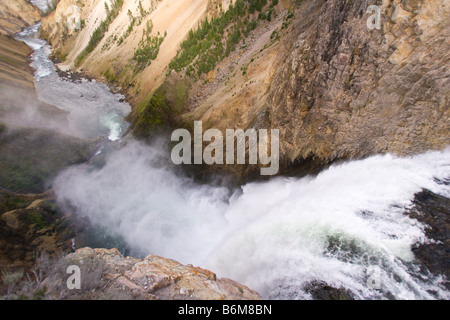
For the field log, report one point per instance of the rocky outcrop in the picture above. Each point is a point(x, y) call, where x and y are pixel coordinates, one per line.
point(16, 15)
point(106, 274)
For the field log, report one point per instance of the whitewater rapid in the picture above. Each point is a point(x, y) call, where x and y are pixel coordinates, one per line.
point(277, 236)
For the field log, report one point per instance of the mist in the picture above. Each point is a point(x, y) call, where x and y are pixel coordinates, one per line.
point(49, 122)
point(138, 196)
point(21, 108)
point(287, 230)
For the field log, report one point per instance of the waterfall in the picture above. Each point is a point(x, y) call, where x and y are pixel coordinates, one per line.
point(344, 227)
point(276, 236)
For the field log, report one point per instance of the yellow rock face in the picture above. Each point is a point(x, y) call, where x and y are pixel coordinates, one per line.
point(334, 88)
point(16, 15)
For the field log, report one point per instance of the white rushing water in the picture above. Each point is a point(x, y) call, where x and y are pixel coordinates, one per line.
point(342, 227)
point(276, 236)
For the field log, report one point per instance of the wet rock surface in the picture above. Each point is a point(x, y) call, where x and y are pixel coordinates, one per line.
point(434, 211)
point(75, 77)
point(322, 291)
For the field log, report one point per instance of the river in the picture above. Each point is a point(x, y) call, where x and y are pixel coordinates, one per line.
point(345, 227)
point(93, 110)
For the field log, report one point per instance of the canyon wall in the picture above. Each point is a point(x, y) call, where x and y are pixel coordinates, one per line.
point(16, 15)
point(112, 55)
point(335, 88)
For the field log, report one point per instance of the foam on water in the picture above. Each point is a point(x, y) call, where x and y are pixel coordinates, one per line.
point(277, 236)
point(113, 122)
point(155, 210)
point(40, 62)
point(332, 228)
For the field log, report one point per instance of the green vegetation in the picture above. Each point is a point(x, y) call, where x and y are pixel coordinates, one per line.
point(31, 157)
point(143, 13)
point(216, 39)
point(37, 218)
point(181, 91)
point(129, 29)
point(256, 5)
point(133, 21)
point(10, 201)
point(110, 76)
point(150, 114)
point(199, 53)
point(160, 109)
point(141, 9)
point(65, 32)
point(286, 19)
point(148, 48)
point(275, 35)
point(99, 33)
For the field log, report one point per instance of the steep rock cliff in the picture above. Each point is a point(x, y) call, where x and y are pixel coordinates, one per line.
point(16, 15)
point(112, 57)
point(347, 91)
point(335, 88)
